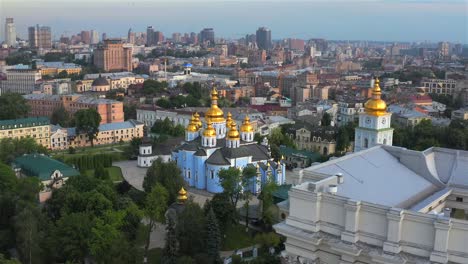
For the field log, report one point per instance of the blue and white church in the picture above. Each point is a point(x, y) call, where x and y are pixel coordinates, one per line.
point(220, 143)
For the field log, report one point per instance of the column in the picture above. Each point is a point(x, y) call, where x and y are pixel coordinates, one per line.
point(352, 208)
point(394, 223)
point(442, 227)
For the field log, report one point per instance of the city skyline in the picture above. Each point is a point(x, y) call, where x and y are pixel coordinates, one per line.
point(385, 20)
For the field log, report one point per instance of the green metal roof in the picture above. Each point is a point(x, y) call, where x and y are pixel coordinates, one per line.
point(24, 122)
point(41, 166)
point(281, 193)
point(288, 152)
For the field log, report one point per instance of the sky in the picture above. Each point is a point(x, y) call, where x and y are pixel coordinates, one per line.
point(381, 20)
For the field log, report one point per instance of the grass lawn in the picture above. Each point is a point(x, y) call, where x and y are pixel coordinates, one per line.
point(93, 150)
point(115, 173)
point(237, 238)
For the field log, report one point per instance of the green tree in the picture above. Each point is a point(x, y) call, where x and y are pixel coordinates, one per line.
point(342, 140)
point(132, 150)
point(130, 111)
point(326, 119)
point(225, 212)
point(87, 121)
point(61, 117)
point(28, 235)
point(10, 148)
point(231, 181)
point(190, 229)
point(167, 174)
point(266, 196)
point(101, 173)
point(105, 235)
point(213, 236)
point(170, 251)
point(155, 207)
point(19, 58)
point(266, 240)
point(62, 74)
point(13, 106)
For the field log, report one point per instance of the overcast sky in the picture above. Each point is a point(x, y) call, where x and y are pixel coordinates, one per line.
point(390, 20)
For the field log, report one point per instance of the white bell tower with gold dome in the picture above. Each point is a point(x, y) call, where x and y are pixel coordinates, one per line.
point(374, 124)
point(216, 116)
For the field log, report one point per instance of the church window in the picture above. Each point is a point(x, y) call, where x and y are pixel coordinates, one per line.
point(366, 143)
point(212, 174)
point(188, 174)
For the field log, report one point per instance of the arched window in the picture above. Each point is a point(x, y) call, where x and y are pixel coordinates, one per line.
point(325, 151)
point(385, 141)
point(366, 143)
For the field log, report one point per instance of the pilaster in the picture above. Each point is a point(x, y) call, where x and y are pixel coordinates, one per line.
point(442, 226)
point(351, 221)
point(394, 226)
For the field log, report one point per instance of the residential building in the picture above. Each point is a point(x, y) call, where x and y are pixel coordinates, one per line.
point(263, 37)
point(117, 80)
point(207, 35)
point(110, 133)
point(56, 86)
point(58, 138)
point(52, 173)
point(405, 116)
point(317, 139)
point(40, 37)
point(349, 112)
point(460, 114)
point(111, 111)
point(94, 37)
point(10, 32)
point(440, 86)
point(374, 123)
point(53, 68)
point(381, 205)
point(34, 127)
point(112, 56)
point(20, 81)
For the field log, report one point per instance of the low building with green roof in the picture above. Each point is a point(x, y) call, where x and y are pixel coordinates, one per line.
point(52, 173)
point(298, 158)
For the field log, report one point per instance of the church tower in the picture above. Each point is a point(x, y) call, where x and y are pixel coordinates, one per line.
point(374, 124)
point(216, 116)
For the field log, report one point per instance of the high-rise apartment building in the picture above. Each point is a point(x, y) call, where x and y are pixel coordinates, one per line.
point(444, 49)
point(94, 37)
point(131, 36)
point(112, 56)
point(10, 32)
point(207, 35)
point(263, 38)
point(40, 37)
point(85, 37)
point(150, 36)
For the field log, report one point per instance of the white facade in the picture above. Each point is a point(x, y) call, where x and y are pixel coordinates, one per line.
point(10, 32)
point(373, 130)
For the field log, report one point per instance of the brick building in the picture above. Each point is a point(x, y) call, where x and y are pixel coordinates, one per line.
point(112, 56)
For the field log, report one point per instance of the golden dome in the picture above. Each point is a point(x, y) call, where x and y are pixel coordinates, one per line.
point(209, 130)
point(215, 114)
point(376, 106)
point(246, 126)
point(192, 126)
point(233, 133)
point(182, 197)
point(198, 122)
point(229, 120)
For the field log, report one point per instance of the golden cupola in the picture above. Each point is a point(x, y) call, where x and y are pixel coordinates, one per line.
point(229, 120)
point(376, 106)
point(233, 133)
point(198, 122)
point(209, 130)
point(192, 126)
point(246, 126)
point(182, 195)
point(215, 114)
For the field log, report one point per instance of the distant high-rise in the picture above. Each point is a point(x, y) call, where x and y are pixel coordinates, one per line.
point(207, 35)
point(176, 37)
point(10, 32)
point(94, 37)
point(104, 36)
point(444, 49)
point(112, 56)
point(131, 36)
point(85, 37)
point(263, 38)
point(40, 37)
point(150, 36)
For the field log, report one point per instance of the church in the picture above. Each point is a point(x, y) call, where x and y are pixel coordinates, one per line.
point(220, 143)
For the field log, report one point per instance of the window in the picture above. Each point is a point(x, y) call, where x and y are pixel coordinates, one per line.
point(212, 174)
point(459, 199)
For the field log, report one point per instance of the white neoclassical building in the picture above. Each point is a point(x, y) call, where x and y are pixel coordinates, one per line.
point(384, 204)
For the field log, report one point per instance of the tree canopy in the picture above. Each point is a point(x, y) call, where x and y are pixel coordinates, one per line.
point(13, 106)
point(87, 121)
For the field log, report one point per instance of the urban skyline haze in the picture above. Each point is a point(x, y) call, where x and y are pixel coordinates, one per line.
point(380, 20)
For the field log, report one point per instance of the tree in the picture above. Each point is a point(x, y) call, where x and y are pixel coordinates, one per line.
point(326, 119)
point(130, 111)
point(342, 141)
point(87, 121)
point(101, 173)
point(28, 235)
point(132, 150)
point(248, 174)
point(105, 235)
point(170, 251)
point(19, 58)
point(267, 202)
point(266, 240)
point(225, 212)
point(213, 236)
point(13, 106)
point(10, 148)
point(190, 229)
point(62, 74)
point(167, 174)
point(231, 181)
point(61, 117)
point(155, 207)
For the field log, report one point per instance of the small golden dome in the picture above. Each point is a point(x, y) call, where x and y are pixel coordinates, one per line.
point(198, 122)
point(209, 130)
point(182, 197)
point(376, 106)
point(215, 114)
point(246, 126)
point(229, 120)
point(192, 126)
point(233, 134)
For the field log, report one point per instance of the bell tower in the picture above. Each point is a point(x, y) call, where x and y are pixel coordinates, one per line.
point(374, 124)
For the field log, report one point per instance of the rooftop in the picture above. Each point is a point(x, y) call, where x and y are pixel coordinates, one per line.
point(41, 166)
point(23, 122)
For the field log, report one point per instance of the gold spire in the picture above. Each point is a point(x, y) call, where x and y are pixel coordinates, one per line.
point(246, 126)
point(197, 120)
point(233, 134)
point(229, 120)
point(209, 130)
point(376, 106)
point(215, 114)
point(182, 197)
point(192, 126)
